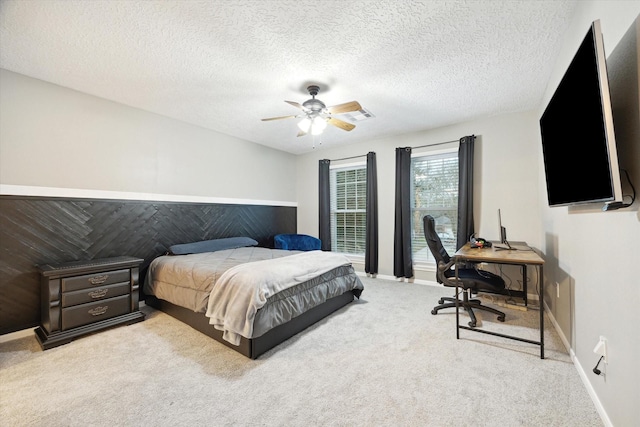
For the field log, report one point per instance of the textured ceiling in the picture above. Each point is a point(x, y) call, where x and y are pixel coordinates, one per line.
point(224, 64)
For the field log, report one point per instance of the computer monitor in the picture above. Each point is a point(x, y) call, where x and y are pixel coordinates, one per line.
point(503, 239)
point(503, 230)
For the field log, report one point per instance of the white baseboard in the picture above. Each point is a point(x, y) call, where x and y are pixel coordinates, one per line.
point(399, 280)
point(581, 372)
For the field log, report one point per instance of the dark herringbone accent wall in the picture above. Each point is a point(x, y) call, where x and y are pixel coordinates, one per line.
point(39, 230)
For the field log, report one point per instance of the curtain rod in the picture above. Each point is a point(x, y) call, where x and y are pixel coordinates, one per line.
point(348, 158)
point(437, 143)
point(419, 146)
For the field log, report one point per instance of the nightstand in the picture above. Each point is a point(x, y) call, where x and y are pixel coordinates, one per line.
point(83, 297)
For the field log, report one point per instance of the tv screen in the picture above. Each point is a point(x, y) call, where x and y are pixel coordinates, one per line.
point(578, 144)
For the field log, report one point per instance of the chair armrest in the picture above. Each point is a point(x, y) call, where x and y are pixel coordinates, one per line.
point(447, 281)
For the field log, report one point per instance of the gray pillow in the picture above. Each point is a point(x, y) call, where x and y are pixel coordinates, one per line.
point(211, 245)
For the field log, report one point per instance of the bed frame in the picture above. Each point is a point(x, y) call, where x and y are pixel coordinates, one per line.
point(254, 347)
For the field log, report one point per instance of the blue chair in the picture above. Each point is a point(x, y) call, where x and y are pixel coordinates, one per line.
point(296, 242)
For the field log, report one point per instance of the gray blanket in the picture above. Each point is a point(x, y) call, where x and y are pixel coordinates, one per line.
point(187, 280)
point(242, 290)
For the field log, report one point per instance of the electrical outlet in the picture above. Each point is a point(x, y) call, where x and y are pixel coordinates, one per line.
point(601, 348)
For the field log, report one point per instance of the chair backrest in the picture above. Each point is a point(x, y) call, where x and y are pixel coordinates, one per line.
point(297, 242)
point(469, 278)
point(433, 240)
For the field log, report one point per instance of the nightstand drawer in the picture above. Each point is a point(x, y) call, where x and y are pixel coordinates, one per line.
point(93, 280)
point(94, 312)
point(95, 294)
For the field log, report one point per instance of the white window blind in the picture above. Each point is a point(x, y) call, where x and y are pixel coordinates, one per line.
point(348, 209)
point(434, 192)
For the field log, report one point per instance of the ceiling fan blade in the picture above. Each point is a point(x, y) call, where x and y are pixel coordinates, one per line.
point(341, 124)
point(278, 118)
point(295, 104)
point(345, 108)
point(301, 133)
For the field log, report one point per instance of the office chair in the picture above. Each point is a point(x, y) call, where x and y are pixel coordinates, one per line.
point(470, 280)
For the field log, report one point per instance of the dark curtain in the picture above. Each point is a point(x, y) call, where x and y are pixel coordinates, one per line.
point(465, 190)
point(371, 239)
point(324, 204)
point(402, 262)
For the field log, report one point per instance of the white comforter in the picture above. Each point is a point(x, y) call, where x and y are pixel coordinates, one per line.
point(242, 290)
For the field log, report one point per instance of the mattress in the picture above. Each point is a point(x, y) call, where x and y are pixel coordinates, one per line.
point(190, 280)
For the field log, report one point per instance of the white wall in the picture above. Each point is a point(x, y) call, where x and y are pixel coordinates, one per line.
point(52, 136)
point(506, 177)
point(594, 255)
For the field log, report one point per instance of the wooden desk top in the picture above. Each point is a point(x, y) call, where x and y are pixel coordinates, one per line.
point(499, 256)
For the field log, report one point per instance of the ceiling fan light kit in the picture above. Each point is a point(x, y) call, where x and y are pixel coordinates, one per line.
point(318, 125)
point(304, 125)
point(315, 114)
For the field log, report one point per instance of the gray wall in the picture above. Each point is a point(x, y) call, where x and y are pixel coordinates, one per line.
point(51, 136)
point(594, 255)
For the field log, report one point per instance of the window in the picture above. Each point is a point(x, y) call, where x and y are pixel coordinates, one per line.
point(434, 192)
point(348, 209)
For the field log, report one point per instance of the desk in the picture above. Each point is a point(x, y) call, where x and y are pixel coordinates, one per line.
point(491, 255)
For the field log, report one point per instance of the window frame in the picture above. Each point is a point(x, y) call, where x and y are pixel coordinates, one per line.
point(333, 170)
point(428, 263)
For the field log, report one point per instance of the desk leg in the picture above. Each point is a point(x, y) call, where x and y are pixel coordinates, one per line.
point(524, 283)
point(541, 304)
point(457, 305)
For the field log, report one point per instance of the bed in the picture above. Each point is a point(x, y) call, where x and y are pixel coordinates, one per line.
point(249, 298)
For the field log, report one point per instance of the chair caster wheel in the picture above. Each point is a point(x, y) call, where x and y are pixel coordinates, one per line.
point(501, 318)
point(472, 324)
point(440, 301)
point(434, 312)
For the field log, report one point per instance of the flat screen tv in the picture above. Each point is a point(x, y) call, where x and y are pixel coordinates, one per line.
point(578, 142)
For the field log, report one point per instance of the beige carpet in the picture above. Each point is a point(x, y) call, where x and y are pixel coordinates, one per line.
point(381, 361)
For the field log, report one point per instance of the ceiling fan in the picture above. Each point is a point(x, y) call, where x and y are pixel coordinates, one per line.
point(315, 114)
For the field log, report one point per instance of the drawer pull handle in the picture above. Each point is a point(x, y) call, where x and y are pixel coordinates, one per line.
point(98, 279)
point(98, 311)
point(99, 293)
